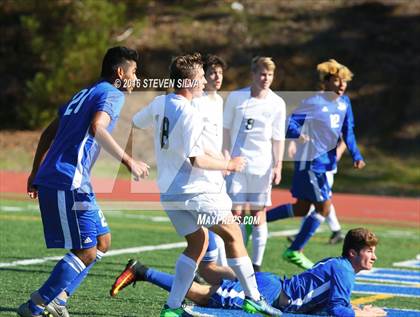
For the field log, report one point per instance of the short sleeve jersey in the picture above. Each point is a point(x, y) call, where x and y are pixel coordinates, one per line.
point(178, 129)
point(253, 124)
point(74, 150)
point(210, 108)
point(324, 121)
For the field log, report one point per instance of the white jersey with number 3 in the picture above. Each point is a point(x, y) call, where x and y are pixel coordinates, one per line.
point(178, 129)
point(253, 124)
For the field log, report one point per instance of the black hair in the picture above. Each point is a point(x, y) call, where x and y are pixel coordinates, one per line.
point(117, 57)
point(211, 60)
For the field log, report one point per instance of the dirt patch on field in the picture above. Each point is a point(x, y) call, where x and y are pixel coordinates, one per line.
point(23, 140)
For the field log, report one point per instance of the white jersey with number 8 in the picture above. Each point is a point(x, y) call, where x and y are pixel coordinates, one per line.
point(178, 129)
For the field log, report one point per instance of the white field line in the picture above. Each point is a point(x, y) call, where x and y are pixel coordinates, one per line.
point(394, 294)
point(414, 264)
point(115, 209)
point(364, 279)
point(18, 208)
point(115, 213)
point(146, 248)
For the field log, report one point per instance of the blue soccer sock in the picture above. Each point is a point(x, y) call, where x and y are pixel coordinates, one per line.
point(161, 279)
point(280, 212)
point(307, 230)
point(81, 277)
point(64, 272)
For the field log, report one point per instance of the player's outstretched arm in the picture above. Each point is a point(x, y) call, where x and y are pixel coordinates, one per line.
point(44, 144)
point(99, 130)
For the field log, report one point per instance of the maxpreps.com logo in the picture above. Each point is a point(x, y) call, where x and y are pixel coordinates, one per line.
point(207, 220)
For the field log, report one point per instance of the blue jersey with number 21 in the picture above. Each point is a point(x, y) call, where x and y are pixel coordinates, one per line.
point(74, 150)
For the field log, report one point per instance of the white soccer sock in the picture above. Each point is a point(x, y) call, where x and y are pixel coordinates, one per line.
point(184, 274)
point(318, 216)
point(245, 273)
point(221, 252)
point(99, 255)
point(259, 241)
point(332, 220)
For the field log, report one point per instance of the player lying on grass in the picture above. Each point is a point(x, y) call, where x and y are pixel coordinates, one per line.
point(324, 289)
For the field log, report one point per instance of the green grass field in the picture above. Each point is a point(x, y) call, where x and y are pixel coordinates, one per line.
point(21, 238)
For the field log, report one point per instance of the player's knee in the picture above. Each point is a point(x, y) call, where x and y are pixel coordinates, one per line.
point(87, 256)
point(231, 233)
point(324, 208)
point(198, 239)
point(300, 209)
point(325, 213)
point(104, 243)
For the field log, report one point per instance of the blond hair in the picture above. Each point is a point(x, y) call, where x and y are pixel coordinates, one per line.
point(333, 68)
point(262, 62)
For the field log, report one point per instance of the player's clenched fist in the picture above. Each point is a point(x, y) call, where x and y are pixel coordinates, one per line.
point(359, 164)
point(236, 164)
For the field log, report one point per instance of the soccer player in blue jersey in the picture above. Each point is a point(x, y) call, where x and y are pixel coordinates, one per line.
point(319, 123)
point(60, 179)
point(324, 289)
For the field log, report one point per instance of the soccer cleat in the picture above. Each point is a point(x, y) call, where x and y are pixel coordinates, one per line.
point(260, 307)
point(134, 271)
point(57, 310)
point(297, 258)
point(24, 311)
point(336, 237)
point(174, 312)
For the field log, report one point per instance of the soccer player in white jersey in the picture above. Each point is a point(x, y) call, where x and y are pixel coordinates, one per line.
point(186, 195)
point(254, 127)
point(60, 179)
point(210, 107)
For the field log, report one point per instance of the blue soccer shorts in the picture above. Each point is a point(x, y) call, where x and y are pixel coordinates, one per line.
point(311, 186)
point(71, 218)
